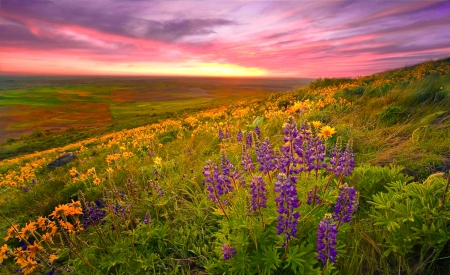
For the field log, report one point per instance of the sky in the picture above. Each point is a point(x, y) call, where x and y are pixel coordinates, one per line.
point(220, 38)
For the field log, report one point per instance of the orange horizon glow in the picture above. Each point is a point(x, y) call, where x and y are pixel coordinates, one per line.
point(28, 62)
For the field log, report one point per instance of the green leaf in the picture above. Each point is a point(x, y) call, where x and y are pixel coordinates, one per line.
point(294, 260)
point(301, 258)
point(267, 260)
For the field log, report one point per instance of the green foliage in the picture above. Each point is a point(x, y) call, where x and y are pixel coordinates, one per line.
point(370, 180)
point(168, 136)
point(416, 217)
point(301, 259)
point(393, 114)
point(354, 91)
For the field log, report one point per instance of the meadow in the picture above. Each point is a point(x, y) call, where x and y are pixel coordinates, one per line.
point(342, 176)
point(43, 112)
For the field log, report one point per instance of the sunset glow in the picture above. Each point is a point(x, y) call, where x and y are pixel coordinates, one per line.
point(278, 39)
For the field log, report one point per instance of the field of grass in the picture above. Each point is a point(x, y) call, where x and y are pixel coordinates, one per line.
point(343, 176)
point(47, 112)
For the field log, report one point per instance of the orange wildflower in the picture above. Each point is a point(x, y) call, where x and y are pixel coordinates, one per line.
point(59, 210)
point(52, 257)
point(28, 230)
point(42, 222)
point(67, 225)
point(27, 264)
point(33, 249)
point(3, 251)
point(12, 232)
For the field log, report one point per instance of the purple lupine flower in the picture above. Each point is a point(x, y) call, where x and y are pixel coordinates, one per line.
point(265, 156)
point(316, 154)
point(210, 172)
point(326, 240)
point(227, 134)
point(122, 210)
point(335, 163)
point(226, 165)
point(23, 245)
point(302, 147)
point(147, 218)
point(228, 251)
point(287, 202)
point(347, 161)
point(239, 136)
point(313, 197)
point(290, 130)
point(257, 132)
point(345, 204)
point(94, 213)
point(247, 162)
point(248, 141)
point(287, 161)
point(217, 183)
point(258, 191)
point(221, 135)
point(230, 172)
point(158, 189)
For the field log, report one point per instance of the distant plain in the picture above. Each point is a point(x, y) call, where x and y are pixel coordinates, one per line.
point(73, 107)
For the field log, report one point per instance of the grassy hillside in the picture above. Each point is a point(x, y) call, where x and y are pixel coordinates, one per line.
point(344, 176)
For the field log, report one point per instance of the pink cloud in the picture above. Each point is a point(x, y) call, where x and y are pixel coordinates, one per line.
point(301, 39)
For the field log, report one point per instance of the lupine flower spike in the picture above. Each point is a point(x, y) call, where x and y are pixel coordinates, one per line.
point(326, 240)
point(239, 136)
point(287, 202)
point(345, 205)
point(215, 184)
point(248, 141)
point(228, 251)
point(258, 191)
point(258, 132)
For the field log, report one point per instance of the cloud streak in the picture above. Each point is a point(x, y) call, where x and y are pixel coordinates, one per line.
point(299, 39)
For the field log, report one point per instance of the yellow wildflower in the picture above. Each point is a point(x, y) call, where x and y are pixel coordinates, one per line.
point(96, 181)
point(158, 161)
point(316, 124)
point(326, 132)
